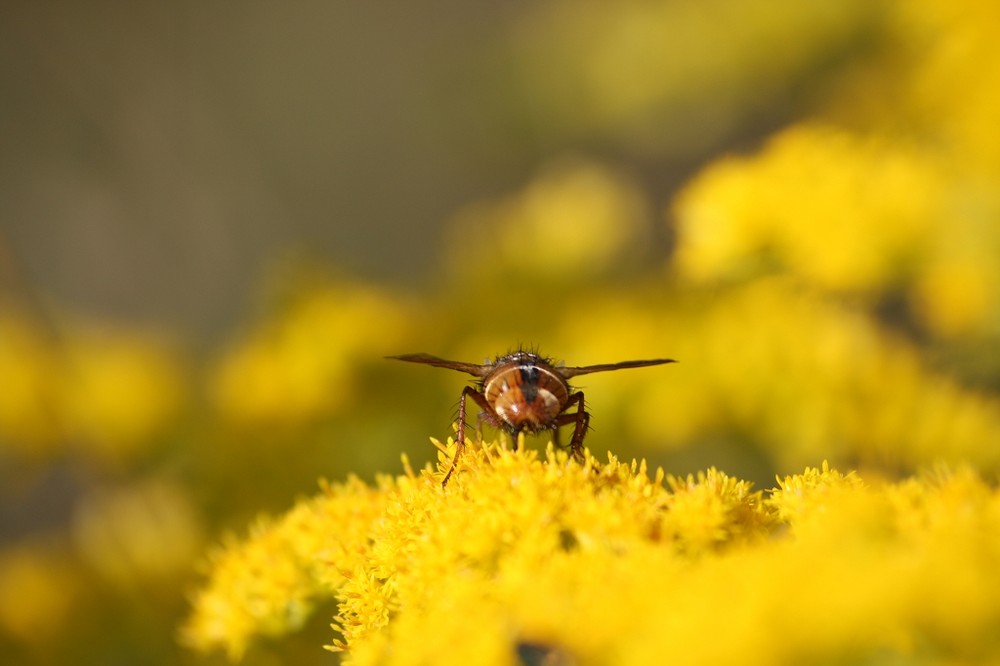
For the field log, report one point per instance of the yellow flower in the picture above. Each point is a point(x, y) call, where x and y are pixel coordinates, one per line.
point(268, 583)
point(524, 235)
point(41, 590)
point(847, 213)
point(712, 510)
point(790, 375)
point(108, 390)
point(955, 294)
point(301, 364)
point(951, 88)
point(28, 366)
point(598, 562)
point(900, 202)
point(139, 534)
point(119, 389)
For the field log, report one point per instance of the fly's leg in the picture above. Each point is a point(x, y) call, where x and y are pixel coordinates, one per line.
point(582, 420)
point(480, 400)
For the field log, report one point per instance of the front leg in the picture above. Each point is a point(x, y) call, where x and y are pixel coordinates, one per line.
point(480, 400)
point(582, 420)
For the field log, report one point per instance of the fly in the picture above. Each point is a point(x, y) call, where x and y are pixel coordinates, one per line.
point(524, 392)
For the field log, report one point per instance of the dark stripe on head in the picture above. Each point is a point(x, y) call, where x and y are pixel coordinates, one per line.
point(529, 382)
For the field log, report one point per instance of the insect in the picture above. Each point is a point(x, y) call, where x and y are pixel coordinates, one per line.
point(522, 391)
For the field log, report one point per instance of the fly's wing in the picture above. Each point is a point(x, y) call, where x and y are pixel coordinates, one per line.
point(473, 369)
point(587, 369)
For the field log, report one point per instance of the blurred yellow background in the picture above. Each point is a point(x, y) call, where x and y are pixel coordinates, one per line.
point(217, 218)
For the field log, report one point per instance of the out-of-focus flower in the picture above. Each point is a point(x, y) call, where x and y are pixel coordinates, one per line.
point(957, 291)
point(575, 220)
point(40, 590)
point(642, 72)
point(118, 390)
point(861, 216)
point(822, 568)
point(144, 533)
point(29, 371)
point(908, 205)
point(954, 73)
point(106, 391)
point(849, 214)
point(780, 371)
point(777, 367)
point(300, 364)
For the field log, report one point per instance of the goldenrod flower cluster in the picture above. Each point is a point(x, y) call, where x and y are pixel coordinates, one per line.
point(849, 214)
point(892, 198)
point(827, 382)
point(523, 555)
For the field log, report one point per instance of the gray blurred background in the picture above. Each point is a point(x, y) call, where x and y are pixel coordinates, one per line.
point(153, 156)
point(156, 156)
